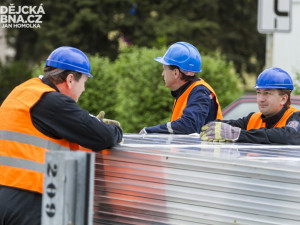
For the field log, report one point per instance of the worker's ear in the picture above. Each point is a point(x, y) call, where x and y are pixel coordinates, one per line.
point(284, 99)
point(176, 73)
point(70, 80)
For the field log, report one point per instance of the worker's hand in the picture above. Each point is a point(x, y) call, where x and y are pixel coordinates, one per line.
point(121, 142)
point(101, 115)
point(143, 131)
point(218, 131)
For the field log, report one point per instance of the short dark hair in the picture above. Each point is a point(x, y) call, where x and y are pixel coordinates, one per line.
point(60, 77)
point(183, 76)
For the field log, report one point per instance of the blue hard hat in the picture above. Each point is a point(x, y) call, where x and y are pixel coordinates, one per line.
point(274, 78)
point(183, 55)
point(69, 58)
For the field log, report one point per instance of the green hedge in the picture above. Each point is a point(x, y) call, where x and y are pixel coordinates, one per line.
point(131, 89)
point(143, 98)
point(222, 77)
point(100, 91)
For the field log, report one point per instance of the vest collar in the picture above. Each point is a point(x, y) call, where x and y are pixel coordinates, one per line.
point(179, 91)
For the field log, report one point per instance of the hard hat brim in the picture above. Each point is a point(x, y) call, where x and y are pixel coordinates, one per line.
point(161, 60)
point(290, 87)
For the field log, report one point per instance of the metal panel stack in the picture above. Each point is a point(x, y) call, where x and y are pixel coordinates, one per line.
point(177, 179)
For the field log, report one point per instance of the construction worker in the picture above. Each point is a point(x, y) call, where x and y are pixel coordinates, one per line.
point(195, 101)
point(277, 122)
point(41, 114)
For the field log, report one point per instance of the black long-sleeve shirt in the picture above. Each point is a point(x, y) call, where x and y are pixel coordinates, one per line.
point(58, 116)
point(287, 135)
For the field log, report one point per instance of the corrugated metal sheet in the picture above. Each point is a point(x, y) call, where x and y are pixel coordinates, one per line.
point(177, 179)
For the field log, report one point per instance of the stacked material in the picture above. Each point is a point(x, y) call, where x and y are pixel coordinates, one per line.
point(177, 179)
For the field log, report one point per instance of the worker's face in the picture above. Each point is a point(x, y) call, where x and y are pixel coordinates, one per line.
point(169, 77)
point(76, 87)
point(269, 101)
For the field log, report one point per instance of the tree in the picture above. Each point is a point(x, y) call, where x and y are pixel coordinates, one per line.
point(239, 37)
point(222, 25)
point(12, 75)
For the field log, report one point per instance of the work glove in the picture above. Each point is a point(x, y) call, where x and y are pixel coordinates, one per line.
point(101, 115)
point(143, 131)
point(219, 132)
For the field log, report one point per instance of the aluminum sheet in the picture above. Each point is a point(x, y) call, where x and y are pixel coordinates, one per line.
point(177, 179)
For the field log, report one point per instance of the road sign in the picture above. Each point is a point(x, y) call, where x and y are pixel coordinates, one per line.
point(274, 16)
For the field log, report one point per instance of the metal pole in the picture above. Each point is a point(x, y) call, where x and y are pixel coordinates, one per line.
point(269, 50)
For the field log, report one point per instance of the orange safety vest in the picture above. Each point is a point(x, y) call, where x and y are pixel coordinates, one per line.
point(180, 104)
point(255, 121)
point(22, 146)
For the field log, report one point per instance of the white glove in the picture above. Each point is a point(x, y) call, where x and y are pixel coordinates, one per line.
point(143, 131)
point(100, 116)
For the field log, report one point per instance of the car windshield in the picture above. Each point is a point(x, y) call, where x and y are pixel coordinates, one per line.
point(241, 110)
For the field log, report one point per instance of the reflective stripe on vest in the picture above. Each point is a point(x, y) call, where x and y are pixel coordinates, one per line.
point(255, 121)
point(30, 139)
point(22, 164)
point(180, 104)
